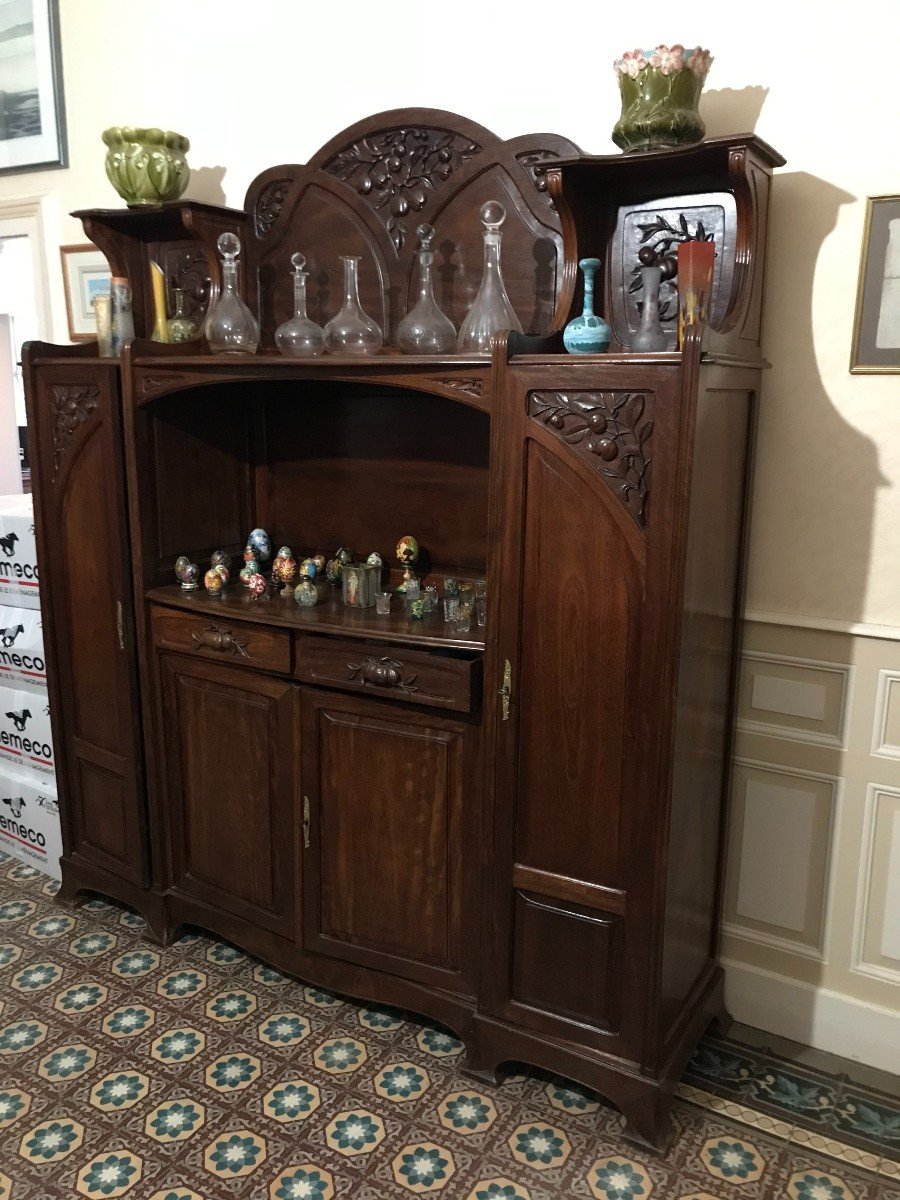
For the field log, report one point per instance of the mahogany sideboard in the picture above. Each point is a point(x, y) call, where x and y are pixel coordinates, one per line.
point(515, 830)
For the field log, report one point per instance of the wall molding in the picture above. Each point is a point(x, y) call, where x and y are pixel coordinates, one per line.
point(880, 746)
point(798, 621)
point(859, 965)
point(773, 940)
point(813, 1015)
point(791, 733)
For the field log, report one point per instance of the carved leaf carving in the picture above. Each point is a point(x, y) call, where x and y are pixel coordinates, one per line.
point(268, 206)
point(396, 170)
point(611, 430)
point(69, 408)
point(535, 163)
point(471, 385)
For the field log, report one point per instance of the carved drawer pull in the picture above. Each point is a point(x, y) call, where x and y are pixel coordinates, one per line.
point(382, 673)
point(221, 640)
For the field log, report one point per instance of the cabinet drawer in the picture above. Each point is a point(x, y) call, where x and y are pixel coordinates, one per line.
point(223, 640)
point(434, 678)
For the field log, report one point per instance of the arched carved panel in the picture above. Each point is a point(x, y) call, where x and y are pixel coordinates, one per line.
point(610, 430)
point(367, 190)
point(70, 407)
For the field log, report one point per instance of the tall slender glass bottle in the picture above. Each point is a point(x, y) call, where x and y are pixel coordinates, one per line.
point(231, 327)
point(425, 329)
point(351, 330)
point(492, 309)
point(300, 337)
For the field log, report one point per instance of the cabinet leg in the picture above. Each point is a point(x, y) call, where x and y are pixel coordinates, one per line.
point(647, 1121)
point(481, 1064)
point(721, 1022)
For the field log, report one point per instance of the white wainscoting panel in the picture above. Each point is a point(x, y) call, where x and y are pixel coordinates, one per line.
point(876, 936)
point(802, 699)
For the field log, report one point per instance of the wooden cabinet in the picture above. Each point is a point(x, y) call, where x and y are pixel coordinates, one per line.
point(515, 828)
point(233, 821)
point(390, 873)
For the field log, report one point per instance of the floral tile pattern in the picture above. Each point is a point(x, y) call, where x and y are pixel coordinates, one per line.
point(196, 1073)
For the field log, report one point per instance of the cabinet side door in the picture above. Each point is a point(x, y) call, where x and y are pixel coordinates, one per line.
point(83, 552)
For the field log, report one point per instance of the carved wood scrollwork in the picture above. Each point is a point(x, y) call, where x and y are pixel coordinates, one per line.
point(69, 408)
point(610, 430)
point(221, 640)
point(268, 206)
point(535, 163)
point(471, 385)
point(395, 170)
point(382, 673)
point(148, 384)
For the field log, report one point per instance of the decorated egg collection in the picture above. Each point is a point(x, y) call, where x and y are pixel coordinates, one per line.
point(308, 580)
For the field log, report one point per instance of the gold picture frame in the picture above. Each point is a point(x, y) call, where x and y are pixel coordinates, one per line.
point(875, 349)
point(85, 274)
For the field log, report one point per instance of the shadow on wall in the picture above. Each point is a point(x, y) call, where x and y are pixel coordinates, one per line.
point(815, 490)
point(205, 185)
point(732, 110)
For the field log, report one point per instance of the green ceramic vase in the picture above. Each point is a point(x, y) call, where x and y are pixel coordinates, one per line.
point(660, 93)
point(146, 166)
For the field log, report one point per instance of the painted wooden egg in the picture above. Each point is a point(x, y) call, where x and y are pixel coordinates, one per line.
point(220, 559)
point(249, 569)
point(344, 556)
point(257, 585)
point(288, 570)
point(260, 542)
point(213, 582)
point(309, 568)
point(249, 554)
point(408, 549)
point(333, 570)
point(319, 560)
point(223, 572)
point(375, 559)
point(306, 593)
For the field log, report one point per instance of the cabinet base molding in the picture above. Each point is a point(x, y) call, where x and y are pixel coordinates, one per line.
point(81, 881)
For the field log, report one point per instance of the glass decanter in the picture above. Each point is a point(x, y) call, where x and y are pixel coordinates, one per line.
point(181, 327)
point(231, 327)
point(352, 331)
point(425, 329)
point(300, 337)
point(491, 310)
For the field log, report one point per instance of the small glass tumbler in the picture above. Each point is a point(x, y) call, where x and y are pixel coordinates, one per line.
point(383, 603)
point(464, 618)
point(481, 609)
point(413, 589)
point(451, 608)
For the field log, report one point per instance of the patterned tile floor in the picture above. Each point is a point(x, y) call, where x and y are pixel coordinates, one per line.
point(196, 1072)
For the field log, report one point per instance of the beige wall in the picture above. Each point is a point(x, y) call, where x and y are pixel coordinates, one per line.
point(256, 84)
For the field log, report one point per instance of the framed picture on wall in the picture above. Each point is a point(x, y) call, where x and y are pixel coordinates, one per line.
point(32, 114)
point(86, 274)
point(876, 328)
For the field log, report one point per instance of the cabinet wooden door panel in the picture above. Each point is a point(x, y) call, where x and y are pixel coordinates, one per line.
point(83, 547)
point(389, 873)
point(230, 751)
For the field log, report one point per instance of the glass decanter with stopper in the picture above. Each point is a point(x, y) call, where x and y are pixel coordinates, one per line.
point(492, 309)
point(300, 337)
point(425, 329)
point(231, 327)
point(352, 330)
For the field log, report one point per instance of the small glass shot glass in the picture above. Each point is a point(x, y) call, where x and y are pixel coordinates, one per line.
point(383, 603)
point(413, 589)
point(451, 608)
point(464, 618)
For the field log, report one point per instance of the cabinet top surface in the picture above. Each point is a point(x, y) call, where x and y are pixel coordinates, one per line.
point(331, 616)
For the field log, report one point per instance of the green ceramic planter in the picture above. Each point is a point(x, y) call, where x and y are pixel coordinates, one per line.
point(660, 93)
point(146, 166)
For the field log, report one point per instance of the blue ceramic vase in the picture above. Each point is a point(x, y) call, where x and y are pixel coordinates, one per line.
point(587, 334)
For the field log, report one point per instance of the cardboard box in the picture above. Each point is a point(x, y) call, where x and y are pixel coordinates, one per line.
point(18, 556)
point(29, 820)
point(22, 649)
point(26, 743)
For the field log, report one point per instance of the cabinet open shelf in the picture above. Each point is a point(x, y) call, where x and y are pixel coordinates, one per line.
point(329, 616)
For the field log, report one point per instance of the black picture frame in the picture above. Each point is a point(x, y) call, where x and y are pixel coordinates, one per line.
point(878, 287)
point(32, 110)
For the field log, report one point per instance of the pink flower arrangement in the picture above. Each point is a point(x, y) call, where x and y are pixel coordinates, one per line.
point(666, 59)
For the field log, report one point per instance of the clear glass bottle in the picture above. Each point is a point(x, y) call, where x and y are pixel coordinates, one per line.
point(492, 309)
point(650, 335)
point(181, 327)
point(425, 329)
point(300, 337)
point(231, 327)
point(352, 331)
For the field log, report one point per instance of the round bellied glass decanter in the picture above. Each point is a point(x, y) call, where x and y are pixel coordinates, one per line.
point(492, 309)
point(300, 337)
point(231, 327)
point(425, 329)
point(351, 330)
